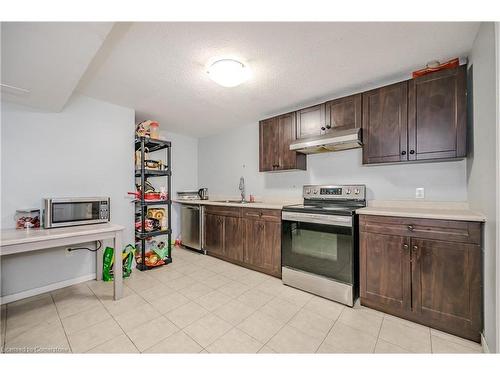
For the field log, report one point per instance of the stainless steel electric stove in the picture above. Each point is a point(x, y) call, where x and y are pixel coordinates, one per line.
point(319, 247)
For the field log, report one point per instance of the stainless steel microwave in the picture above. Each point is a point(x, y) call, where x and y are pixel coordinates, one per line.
point(65, 212)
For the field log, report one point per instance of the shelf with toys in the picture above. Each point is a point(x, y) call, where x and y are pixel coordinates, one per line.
point(153, 231)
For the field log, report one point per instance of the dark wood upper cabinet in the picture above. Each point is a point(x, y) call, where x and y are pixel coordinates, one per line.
point(311, 121)
point(275, 136)
point(418, 119)
point(343, 113)
point(268, 139)
point(287, 134)
point(437, 115)
point(385, 124)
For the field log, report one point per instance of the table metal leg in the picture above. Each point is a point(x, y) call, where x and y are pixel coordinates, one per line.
point(117, 267)
point(98, 264)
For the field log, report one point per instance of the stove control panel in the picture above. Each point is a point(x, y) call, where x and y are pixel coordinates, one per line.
point(350, 192)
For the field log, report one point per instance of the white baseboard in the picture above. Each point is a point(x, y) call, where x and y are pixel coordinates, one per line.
point(484, 344)
point(44, 289)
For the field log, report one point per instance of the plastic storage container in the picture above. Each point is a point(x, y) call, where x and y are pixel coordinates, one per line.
point(27, 218)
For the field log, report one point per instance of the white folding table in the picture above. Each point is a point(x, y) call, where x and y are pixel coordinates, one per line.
point(16, 241)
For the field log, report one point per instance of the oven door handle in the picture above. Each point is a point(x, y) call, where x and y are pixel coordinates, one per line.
point(343, 221)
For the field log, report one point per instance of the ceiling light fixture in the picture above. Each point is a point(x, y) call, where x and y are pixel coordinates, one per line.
point(228, 72)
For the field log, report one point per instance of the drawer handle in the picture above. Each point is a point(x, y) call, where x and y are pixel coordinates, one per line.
point(410, 228)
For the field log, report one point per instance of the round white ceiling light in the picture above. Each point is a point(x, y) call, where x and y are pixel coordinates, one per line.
point(228, 72)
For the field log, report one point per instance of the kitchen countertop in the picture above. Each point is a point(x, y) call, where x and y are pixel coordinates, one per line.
point(425, 210)
point(274, 205)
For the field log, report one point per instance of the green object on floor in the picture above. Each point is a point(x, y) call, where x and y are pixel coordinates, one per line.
point(128, 252)
point(107, 264)
point(108, 260)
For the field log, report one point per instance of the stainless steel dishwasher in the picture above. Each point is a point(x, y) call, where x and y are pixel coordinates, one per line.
point(192, 226)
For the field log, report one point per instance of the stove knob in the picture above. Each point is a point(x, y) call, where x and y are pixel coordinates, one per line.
point(356, 191)
point(348, 191)
point(315, 191)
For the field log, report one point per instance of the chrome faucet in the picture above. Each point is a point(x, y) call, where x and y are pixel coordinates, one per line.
point(242, 189)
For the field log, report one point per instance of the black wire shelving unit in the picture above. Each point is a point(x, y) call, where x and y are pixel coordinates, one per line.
point(141, 205)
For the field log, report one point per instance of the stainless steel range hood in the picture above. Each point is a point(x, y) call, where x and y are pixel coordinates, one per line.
point(336, 140)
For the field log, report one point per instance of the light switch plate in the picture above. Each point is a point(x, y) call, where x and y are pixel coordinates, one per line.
point(420, 193)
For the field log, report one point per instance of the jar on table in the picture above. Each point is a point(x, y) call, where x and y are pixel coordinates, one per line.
point(154, 130)
point(27, 218)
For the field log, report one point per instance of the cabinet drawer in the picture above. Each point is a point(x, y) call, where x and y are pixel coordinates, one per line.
point(223, 210)
point(446, 230)
point(262, 214)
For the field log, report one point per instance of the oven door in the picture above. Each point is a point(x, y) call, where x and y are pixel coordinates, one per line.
point(322, 245)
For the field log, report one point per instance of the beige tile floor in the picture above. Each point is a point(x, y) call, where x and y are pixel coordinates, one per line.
point(199, 303)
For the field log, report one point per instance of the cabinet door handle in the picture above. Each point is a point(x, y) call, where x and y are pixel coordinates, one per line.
point(403, 152)
point(406, 247)
point(412, 152)
point(328, 126)
point(416, 252)
point(323, 128)
point(410, 228)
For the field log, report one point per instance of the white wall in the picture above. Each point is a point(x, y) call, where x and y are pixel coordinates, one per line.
point(85, 150)
point(497, 36)
point(225, 157)
point(184, 170)
point(482, 165)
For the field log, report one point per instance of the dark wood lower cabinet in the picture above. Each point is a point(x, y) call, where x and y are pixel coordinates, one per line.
point(446, 280)
point(248, 237)
point(263, 245)
point(432, 281)
point(385, 266)
point(233, 241)
point(214, 234)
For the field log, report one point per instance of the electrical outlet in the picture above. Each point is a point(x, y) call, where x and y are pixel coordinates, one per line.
point(420, 193)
